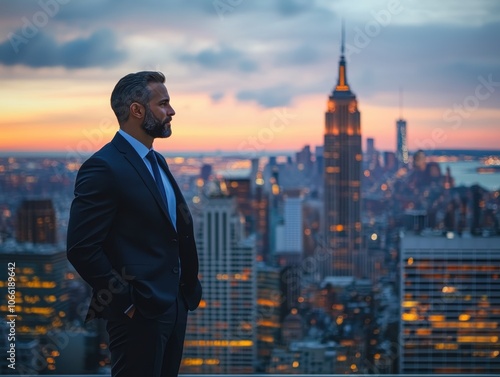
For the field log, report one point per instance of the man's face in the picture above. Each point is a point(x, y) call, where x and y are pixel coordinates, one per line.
point(159, 112)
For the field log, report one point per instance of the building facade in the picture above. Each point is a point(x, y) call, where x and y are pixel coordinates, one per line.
point(342, 177)
point(268, 312)
point(402, 143)
point(36, 222)
point(290, 235)
point(450, 313)
point(41, 302)
point(221, 333)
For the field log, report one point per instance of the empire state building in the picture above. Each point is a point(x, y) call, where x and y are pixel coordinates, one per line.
point(342, 178)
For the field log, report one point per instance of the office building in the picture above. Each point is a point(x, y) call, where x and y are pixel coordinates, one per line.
point(390, 162)
point(36, 222)
point(450, 314)
point(371, 156)
point(370, 147)
point(402, 155)
point(206, 172)
point(239, 188)
point(268, 312)
point(40, 286)
point(221, 334)
point(262, 218)
point(290, 235)
point(41, 302)
point(304, 160)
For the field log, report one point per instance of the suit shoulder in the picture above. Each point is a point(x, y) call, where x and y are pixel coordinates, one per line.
point(107, 151)
point(107, 154)
point(101, 161)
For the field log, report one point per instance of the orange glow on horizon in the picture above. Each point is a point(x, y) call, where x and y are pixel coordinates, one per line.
point(75, 116)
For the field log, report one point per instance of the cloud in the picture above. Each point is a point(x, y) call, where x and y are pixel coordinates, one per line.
point(435, 51)
point(97, 10)
point(293, 7)
point(42, 50)
point(436, 65)
point(302, 55)
point(268, 97)
point(216, 97)
point(222, 58)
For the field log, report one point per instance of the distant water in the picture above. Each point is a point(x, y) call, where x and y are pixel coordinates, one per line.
point(464, 173)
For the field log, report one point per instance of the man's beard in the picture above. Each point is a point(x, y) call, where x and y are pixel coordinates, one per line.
point(155, 127)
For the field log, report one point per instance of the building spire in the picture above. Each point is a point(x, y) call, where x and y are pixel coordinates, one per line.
point(343, 39)
point(342, 85)
point(400, 102)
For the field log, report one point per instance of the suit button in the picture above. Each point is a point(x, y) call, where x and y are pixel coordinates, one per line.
point(174, 239)
point(175, 270)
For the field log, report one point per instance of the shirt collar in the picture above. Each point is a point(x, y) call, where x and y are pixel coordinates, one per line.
point(140, 148)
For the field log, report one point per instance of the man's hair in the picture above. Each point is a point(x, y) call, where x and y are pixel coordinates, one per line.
point(133, 88)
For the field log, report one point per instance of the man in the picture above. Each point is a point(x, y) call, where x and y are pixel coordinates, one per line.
point(130, 236)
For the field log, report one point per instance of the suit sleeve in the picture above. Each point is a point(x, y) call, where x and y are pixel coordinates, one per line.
point(91, 218)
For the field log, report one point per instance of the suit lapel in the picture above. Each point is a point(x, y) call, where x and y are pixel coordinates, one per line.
point(135, 160)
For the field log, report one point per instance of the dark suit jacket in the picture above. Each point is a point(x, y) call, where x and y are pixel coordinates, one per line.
point(120, 238)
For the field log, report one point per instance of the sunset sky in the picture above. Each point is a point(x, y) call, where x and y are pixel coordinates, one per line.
point(251, 75)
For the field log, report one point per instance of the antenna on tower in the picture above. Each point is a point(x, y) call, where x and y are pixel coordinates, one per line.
point(343, 38)
point(400, 102)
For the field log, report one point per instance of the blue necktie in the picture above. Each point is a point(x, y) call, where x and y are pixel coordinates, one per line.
point(156, 172)
point(151, 156)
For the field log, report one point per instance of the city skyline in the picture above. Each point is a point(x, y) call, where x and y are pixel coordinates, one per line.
point(255, 72)
point(299, 322)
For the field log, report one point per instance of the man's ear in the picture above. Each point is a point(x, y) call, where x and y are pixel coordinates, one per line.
point(137, 110)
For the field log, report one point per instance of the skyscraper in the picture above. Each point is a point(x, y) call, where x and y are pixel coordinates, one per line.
point(304, 159)
point(36, 222)
point(221, 333)
point(261, 210)
point(371, 155)
point(370, 147)
point(390, 162)
point(291, 233)
point(342, 176)
point(268, 312)
point(41, 301)
point(319, 165)
point(402, 143)
point(240, 189)
point(450, 317)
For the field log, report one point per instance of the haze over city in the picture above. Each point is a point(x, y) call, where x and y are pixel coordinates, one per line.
point(251, 70)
